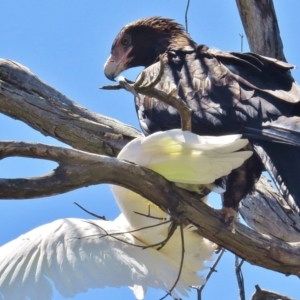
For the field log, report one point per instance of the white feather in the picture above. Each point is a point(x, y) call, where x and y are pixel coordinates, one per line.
point(77, 254)
point(184, 157)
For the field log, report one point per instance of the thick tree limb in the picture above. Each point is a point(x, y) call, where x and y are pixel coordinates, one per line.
point(261, 27)
point(267, 295)
point(25, 97)
point(281, 222)
point(78, 168)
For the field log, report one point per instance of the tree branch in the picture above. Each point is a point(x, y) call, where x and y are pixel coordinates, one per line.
point(261, 27)
point(282, 222)
point(262, 30)
point(25, 97)
point(268, 295)
point(77, 169)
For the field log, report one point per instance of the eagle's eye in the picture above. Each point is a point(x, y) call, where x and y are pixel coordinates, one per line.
point(126, 40)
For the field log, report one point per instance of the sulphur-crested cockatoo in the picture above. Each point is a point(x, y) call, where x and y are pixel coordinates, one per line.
point(191, 161)
point(75, 254)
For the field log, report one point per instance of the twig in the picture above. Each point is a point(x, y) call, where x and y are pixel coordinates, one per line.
point(149, 216)
point(239, 276)
point(90, 213)
point(173, 227)
point(181, 262)
point(186, 18)
point(148, 90)
point(212, 270)
point(113, 235)
point(242, 36)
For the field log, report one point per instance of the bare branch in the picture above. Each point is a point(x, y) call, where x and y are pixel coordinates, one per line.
point(90, 213)
point(261, 27)
point(186, 15)
point(239, 276)
point(282, 221)
point(22, 94)
point(267, 295)
point(78, 169)
point(25, 97)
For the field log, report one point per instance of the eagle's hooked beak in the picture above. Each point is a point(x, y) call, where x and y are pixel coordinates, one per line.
point(110, 68)
point(115, 64)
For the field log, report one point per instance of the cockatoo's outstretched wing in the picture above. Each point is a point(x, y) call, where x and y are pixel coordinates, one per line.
point(76, 255)
point(184, 157)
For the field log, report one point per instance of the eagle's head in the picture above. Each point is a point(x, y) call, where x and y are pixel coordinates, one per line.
point(141, 42)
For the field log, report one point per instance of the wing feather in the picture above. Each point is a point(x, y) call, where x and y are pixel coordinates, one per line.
point(184, 157)
point(75, 255)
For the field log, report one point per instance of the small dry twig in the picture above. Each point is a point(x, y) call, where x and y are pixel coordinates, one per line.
point(139, 87)
point(212, 270)
point(239, 276)
point(181, 262)
point(90, 213)
point(186, 17)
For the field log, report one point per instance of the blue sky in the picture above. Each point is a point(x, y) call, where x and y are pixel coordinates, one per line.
point(65, 43)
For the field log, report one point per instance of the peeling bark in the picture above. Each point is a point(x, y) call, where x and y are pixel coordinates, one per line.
point(281, 222)
point(25, 97)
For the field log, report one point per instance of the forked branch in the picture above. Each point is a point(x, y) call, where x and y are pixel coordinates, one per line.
point(77, 168)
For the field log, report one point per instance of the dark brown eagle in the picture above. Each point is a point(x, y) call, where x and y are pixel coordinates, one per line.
point(228, 93)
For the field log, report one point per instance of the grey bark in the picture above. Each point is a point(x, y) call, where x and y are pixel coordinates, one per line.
point(268, 295)
point(261, 27)
point(77, 169)
point(25, 97)
point(280, 222)
point(262, 30)
point(263, 35)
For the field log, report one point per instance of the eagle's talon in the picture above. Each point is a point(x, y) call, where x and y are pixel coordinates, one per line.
point(229, 217)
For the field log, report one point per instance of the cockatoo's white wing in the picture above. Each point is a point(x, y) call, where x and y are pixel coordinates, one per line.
point(78, 254)
point(142, 213)
point(180, 157)
point(184, 157)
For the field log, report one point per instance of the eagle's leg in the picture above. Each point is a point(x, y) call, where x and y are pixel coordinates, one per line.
point(240, 182)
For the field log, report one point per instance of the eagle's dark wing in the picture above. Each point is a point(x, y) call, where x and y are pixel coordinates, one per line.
point(234, 93)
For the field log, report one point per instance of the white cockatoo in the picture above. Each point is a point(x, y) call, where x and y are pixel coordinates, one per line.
point(76, 254)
